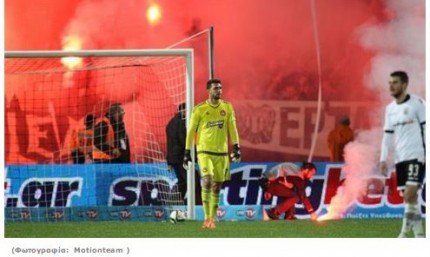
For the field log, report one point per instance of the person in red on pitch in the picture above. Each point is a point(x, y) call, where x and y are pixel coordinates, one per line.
point(287, 181)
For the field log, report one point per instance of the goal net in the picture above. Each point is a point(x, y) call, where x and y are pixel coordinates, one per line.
point(54, 103)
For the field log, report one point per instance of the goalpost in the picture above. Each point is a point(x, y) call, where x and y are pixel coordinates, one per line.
point(48, 95)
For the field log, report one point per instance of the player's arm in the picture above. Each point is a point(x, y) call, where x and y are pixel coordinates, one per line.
point(191, 132)
point(385, 144)
point(232, 128)
point(264, 184)
point(300, 184)
point(73, 145)
point(85, 144)
point(234, 136)
point(192, 128)
point(284, 181)
point(421, 113)
point(331, 139)
point(170, 141)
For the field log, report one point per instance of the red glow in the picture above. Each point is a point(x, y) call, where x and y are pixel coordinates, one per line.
point(269, 47)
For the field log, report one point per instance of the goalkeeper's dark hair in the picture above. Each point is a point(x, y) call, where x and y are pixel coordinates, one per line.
point(209, 83)
point(402, 75)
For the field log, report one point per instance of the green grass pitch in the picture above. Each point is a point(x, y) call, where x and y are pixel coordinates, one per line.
point(347, 228)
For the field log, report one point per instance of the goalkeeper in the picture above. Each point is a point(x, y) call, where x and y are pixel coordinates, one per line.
point(212, 121)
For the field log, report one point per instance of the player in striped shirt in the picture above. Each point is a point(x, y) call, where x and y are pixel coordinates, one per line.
point(405, 121)
point(212, 121)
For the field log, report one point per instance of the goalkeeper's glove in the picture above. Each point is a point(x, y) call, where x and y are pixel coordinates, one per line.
point(187, 159)
point(235, 154)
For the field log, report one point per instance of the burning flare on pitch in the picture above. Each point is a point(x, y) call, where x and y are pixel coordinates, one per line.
point(71, 43)
point(361, 159)
point(339, 203)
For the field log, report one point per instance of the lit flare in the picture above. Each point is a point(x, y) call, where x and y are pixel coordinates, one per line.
point(71, 43)
point(153, 14)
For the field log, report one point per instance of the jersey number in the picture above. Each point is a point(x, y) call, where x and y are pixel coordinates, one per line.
point(413, 170)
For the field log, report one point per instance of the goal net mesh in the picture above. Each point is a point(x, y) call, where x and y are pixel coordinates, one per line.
point(46, 104)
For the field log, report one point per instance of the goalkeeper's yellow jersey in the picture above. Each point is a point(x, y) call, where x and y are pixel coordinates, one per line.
point(212, 123)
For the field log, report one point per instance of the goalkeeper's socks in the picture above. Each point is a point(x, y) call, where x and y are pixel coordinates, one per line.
point(406, 226)
point(206, 197)
point(417, 225)
point(409, 215)
point(214, 205)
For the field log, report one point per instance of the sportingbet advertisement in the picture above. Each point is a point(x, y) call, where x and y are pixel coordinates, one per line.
point(135, 193)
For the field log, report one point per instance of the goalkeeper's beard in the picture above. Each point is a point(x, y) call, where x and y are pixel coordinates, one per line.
point(216, 97)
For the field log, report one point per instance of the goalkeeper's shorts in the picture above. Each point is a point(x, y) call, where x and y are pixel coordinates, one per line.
point(216, 166)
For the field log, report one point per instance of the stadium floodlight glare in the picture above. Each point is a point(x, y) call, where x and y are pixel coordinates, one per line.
point(150, 84)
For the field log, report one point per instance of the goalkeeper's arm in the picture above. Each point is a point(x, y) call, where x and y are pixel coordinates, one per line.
point(190, 137)
point(234, 135)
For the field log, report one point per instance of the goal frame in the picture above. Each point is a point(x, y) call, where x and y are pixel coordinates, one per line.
point(188, 53)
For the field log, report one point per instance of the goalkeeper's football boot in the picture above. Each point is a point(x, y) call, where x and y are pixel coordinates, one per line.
point(211, 224)
point(206, 223)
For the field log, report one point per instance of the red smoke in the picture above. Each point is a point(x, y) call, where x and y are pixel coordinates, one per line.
point(398, 43)
point(263, 49)
point(257, 43)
